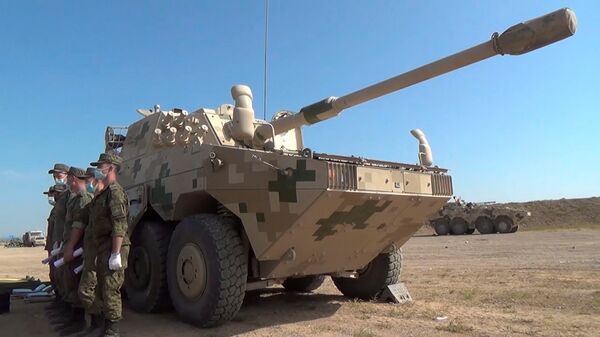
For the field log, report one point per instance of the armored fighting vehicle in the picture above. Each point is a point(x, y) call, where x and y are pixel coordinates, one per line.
point(460, 218)
point(222, 202)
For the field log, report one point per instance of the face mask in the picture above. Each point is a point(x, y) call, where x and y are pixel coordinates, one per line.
point(99, 175)
point(60, 181)
point(51, 201)
point(90, 187)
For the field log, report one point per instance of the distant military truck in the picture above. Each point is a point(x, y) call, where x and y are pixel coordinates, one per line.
point(34, 239)
point(460, 218)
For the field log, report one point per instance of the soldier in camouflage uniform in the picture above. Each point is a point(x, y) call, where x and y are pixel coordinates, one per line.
point(49, 229)
point(88, 285)
point(59, 173)
point(72, 235)
point(107, 219)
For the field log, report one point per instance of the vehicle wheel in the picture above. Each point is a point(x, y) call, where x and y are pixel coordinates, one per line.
point(441, 227)
point(458, 226)
point(470, 231)
point(303, 284)
point(384, 270)
point(514, 229)
point(146, 273)
point(484, 225)
point(207, 270)
point(503, 224)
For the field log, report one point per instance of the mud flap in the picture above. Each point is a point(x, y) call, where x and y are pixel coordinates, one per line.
point(396, 293)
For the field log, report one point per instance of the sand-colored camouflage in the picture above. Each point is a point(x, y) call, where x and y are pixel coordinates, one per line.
point(221, 202)
point(459, 218)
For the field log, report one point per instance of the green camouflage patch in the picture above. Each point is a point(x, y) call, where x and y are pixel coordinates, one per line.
point(142, 133)
point(158, 195)
point(260, 217)
point(137, 166)
point(243, 207)
point(285, 185)
point(356, 217)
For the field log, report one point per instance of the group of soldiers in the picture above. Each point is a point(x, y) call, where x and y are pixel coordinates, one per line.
point(89, 212)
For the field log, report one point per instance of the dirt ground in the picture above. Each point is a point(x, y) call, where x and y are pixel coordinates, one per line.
point(540, 283)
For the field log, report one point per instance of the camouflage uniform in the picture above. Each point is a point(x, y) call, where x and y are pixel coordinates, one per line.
point(60, 213)
point(106, 216)
point(49, 238)
point(74, 206)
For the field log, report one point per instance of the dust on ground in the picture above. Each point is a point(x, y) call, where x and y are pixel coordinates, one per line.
point(541, 283)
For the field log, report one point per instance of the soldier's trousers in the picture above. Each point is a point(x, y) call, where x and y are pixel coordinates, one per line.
point(70, 282)
point(89, 292)
point(109, 284)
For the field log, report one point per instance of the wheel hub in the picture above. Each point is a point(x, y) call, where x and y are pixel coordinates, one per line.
point(503, 226)
point(191, 271)
point(140, 269)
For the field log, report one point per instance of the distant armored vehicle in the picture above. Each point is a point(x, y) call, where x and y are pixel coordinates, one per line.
point(34, 238)
point(222, 202)
point(459, 218)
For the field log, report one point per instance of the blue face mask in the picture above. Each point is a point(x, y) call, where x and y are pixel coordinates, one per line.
point(90, 187)
point(99, 175)
point(60, 181)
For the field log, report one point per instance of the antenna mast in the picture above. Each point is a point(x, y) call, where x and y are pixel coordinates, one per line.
point(265, 60)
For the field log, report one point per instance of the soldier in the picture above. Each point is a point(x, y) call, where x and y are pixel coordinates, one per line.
point(88, 285)
point(59, 173)
point(53, 193)
point(107, 219)
point(71, 237)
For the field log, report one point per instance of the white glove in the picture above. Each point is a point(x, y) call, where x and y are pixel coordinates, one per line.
point(114, 262)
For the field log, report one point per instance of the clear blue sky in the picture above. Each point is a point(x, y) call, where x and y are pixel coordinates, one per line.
point(509, 128)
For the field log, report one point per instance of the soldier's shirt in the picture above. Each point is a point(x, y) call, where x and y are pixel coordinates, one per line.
point(106, 215)
point(60, 214)
point(74, 206)
point(50, 229)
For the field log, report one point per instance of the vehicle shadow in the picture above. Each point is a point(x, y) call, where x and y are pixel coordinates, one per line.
point(262, 308)
point(275, 306)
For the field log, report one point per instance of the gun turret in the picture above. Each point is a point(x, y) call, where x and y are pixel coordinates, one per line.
point(516, 40)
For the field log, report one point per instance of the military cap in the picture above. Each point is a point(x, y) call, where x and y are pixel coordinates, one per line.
point(77, 172)
point(89, 172)
point(50, 190)
point(59, 168)
point(108, 158)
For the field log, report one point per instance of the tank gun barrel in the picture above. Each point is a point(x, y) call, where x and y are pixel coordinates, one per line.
point(516, 40)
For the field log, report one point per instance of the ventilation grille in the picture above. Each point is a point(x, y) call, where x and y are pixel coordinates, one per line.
point(341, 176)
point(441, 184)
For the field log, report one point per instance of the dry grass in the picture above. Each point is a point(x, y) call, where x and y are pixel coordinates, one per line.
point(455, 327)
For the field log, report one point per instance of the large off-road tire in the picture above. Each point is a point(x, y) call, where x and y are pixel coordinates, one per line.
point(303, 284)
point(459, 226)
point(384, 270)
point(441, 227)
point(485, 225)
point(146, 273)
point(207, 270)
point(503, 224)
point(470, 231)
point(514, 229)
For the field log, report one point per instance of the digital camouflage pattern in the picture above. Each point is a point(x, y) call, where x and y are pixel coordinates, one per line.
point(106, 217)
point(71, 280)
point(457, 215)
point(300, 213)
point(284, 200)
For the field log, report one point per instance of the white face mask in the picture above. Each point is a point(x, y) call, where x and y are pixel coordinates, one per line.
point(51, 201)
point(60, 181)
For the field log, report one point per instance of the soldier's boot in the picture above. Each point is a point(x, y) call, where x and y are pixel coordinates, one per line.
point(75, 324)
point(61, 315)
point(56, 304)
point(111, 329)
point(96, 328)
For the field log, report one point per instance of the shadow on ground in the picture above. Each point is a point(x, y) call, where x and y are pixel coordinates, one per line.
point(265, 308)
